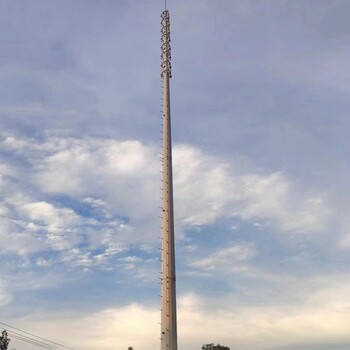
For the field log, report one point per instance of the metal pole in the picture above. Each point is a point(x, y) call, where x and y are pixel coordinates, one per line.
point(168, 310)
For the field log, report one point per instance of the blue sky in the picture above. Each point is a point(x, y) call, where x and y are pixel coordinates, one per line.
point(260, 104)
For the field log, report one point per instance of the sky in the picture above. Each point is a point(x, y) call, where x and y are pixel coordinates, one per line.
point(260, 115)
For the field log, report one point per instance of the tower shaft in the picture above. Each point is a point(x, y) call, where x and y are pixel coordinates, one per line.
point(168, 309)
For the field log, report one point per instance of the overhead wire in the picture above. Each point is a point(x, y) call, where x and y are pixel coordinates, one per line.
point(22, 337)
point(28, 340)
point(33, 335)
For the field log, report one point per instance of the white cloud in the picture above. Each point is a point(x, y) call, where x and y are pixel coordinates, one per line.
point(130, 259)
point(207, 189)
point(190, 248)
point(86, 259)
point(30, 226)
point(131, 325)
point(119, 181)
point(125, 174)
point(227, 258)
point(43, 262)
point(60, 224)
point(264, 327)
point(318, 319)
point(14, 143)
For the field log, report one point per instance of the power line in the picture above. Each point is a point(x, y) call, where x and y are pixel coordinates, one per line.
point(31, 340)
point(33, 335)
point(27, 340)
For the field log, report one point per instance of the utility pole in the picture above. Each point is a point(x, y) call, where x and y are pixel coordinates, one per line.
point(168, 308)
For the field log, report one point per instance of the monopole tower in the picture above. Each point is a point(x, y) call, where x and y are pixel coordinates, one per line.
point(168, 307)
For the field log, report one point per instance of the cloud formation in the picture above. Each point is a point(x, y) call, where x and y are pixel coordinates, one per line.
point(204, 321)
point(107, 188)
point(260, 119)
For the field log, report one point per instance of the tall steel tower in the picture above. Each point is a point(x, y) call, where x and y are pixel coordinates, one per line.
point(168, 309)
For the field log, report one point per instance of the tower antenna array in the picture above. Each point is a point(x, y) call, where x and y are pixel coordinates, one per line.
point(168, 309)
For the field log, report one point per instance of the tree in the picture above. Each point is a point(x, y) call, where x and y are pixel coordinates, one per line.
point(4, 340)
point(214, 347)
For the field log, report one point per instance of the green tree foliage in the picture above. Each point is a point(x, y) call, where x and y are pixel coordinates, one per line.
point(214, 347)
